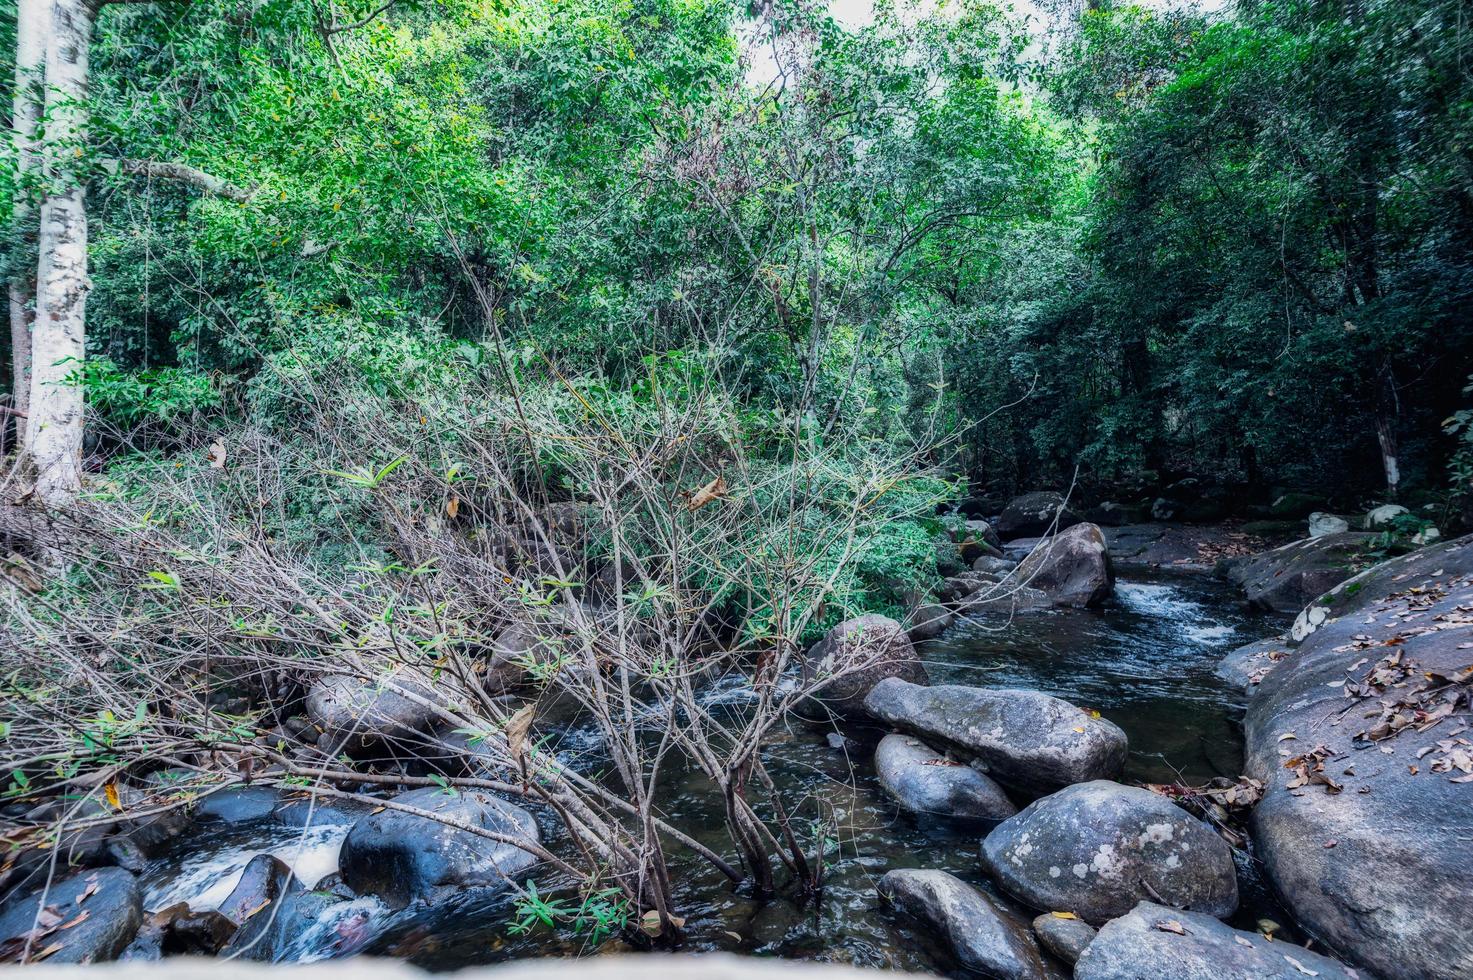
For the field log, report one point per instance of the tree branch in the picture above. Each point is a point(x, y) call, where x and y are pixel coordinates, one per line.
point(185, 174)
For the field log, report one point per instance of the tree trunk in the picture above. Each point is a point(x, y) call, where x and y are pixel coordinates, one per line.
point(33, 20)
point(54, 435)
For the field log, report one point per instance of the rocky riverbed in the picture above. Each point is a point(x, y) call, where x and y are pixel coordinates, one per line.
point(1063, 754)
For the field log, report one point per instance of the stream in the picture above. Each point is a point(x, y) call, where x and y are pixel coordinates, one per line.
point(1145, 660)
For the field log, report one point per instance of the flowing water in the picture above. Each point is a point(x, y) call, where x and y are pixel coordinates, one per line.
point(1145, 660)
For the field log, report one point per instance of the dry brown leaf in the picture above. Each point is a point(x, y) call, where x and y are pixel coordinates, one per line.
point(714, 490)
point(452, 507)
point(1172, 926)
point(517, 727)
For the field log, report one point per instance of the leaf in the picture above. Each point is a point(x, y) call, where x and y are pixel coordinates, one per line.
point(111, 792)
point(1079, 729)
point(1063, 915)
point(714, 490)
point(1172, 926)
point(452, 507)
point(1242, 942)
point(650, 922)
point(78, 920)
point(1301, 967)
point(517, 727)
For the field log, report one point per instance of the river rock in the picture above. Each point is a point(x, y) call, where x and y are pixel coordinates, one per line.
point(858, 654)
point(1321, 524)
point(1379, 865)
point(1290, 577)
point(405, 858)
point(1248, 665)
point(1035, 514)
point(982, 531)
point(990, 565)
point(238, 804)
point(983, 938)
point(1072, 568)
point(928, 621)
point(1025, 739)
point(178, 930)
point(923, 780)
point(958, 587)
point(1153, 942)
point(361, 715)
point(265, 881)
point(92, 915)
point(1063, 934)
point(972, 549)
point(1098, 848)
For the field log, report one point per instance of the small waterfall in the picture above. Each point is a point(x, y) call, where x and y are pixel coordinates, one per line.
point(206, 877)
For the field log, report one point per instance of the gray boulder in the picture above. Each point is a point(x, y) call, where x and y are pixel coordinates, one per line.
point(928, 621)
point(858, 654)
point(1098, 848)
point(1321, 524)
point(1035, 514)
point(1063, 934)
point(1363, 827)
point(923, 780)
point(984, 938)
point(1072, 568)
point(1383, 515)
point(1153, 942)
point(1248, 665)
point(1025, 739)
point(988, 565)
point(406, 858)
point(361, 715)
point(982, 531)
point(1290, 577)
point(91, 915)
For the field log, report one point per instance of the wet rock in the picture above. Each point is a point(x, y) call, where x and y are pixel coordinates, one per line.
point(242, 804)
point(91, 915)
point(1379, 866)
point(1006, 598)
point(929, 621)
point(982, 531)
point(983, 938)
point(1024, 739)
point(265, 880)
point(960, 586)
point(182, 931)
point(1098, 848)
point(858, 654)
point(1153, 942)
point(304, 811)
point(405, 858)
point(1248, 665)
point(1072, 568)
point(1321, 524)
point(925, 781)
point(361, 715)
point(1380, 516)
point(520, 646)
point(1064, 935)
point(1035, 514)
point(267, 936)
point(1016, 549)
point(971, 549)
point(1290, 577)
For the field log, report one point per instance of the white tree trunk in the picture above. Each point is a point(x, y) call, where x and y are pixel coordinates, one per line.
point(33, 24)
point(54, 436)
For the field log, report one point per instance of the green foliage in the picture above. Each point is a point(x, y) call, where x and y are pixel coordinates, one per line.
point(123, 400)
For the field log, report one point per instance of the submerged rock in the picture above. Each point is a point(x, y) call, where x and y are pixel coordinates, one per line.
point(1034, 514)
point(405, 858)
point(1021, 738)
point(923, 780)
point(1063, 934)
point(1098, 848)
point(1290, 577)
point(265, 881)
point(91, 916)
point(1153, 942)
point(858, 654)
point(981, 936)
point(359, 715)
point(1363, 827)
point(1072, 568)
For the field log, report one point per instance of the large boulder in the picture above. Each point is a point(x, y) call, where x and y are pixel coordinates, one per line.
point(1098, 848)
point(405, 858)
point(1153, 942)
point(923, 780)
point(1035, 514)
point(1072, 568)
point(855, 656)
point(1025, 739)
point(1381, 516)
point(1363, 827)
point(88, 917)
point(356, 715)
point(981, 936)
point(1248, 665)
point(1290, 577)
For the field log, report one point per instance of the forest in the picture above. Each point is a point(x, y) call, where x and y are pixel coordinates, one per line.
point(719, 465)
